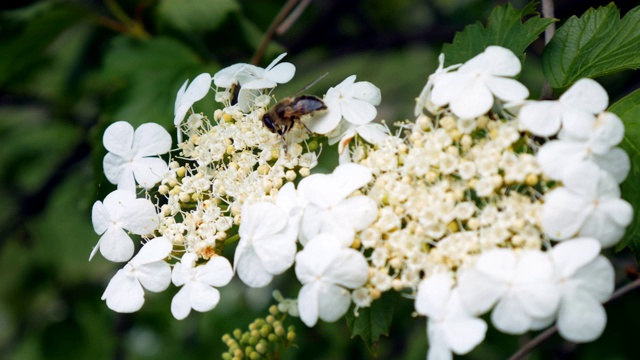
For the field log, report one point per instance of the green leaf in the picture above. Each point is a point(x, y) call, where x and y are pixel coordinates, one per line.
point(372, 322)
point(504, 28)
point(26, 35)
point(596, 44)
point(628, 109)
point(196, 15)
point(145, 75)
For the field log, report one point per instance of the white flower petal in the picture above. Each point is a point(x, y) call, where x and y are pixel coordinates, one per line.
point(124, 293)
point(494, 60)
point(139, 217)
point(600, 225)
point(154, 276)
point(433, 295)
point(333, 302)
point(100, 218)
point(616, 162)
point(507, 89)
point(118, 138)
point(308, 303)
point(581, 318)
point(325, 122)
point(151, 139)
point(556, 157)
point(358, 112)
point(149, 171)
point(479, 292)
point(563, 213)
point(154, 250)
point(118, 170)
point(276, 252)
point(356, 212)
point(597, 278)
point(350, 269)
point(251, 271)
point(366, 91)
point(216, 272)
point(474, 100)
point(373, 133)
point(509, 317)
point(586, 94)
point(569, 256)
point(180, 306)
point(116, 245)
point(202, 297)
point(282, 73)
point(541, 118)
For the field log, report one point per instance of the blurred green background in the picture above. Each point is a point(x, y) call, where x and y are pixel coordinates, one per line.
point(68, 69)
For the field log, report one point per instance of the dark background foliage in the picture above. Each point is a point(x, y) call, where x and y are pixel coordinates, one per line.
point(70, 68)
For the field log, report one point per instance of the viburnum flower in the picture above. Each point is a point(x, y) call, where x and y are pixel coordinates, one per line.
point(470, 90)
point(121, 211)
point(133, 156)
point(556, 157)
point(198, 284)
point(254, 77)
point(372, 133)
point(268, 235)
point(586, 280)
point(574, 110)
point(423, 101)
point(148, 270)
point(188, 95)
point(588, 204)
point(354, 101)
point(449, 326)
point(329, 211)
point(326, 270)
point(520, 284)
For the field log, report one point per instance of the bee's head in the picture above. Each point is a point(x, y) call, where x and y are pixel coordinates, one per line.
point(268, 122)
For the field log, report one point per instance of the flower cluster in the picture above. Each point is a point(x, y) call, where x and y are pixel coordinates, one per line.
point(487, 202)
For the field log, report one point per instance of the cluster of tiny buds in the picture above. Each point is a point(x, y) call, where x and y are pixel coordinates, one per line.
point(453, 189)
point(265, 339)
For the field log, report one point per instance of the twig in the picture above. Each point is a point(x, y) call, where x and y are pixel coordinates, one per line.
point(286, 9)
point(528, 347)
point(548, 12)
point(291, 19)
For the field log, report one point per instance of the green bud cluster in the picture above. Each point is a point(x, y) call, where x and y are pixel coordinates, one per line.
point(266, 338)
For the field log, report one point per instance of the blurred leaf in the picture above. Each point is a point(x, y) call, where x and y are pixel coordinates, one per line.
point(145, 76)
point(196, 15)
point(628, 109)
point(596, 44)
point(372, 321)
point(32, 147)
point(30, 35)
point(504, 28)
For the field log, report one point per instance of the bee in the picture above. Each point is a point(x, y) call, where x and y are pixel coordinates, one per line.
point(284, 115)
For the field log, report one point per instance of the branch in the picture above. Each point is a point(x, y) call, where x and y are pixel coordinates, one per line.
point(528, 347)
point(282, 15)
point(548, 12)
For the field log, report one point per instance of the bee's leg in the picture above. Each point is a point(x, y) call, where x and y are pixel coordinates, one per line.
point(284, 144)
point(305, 126)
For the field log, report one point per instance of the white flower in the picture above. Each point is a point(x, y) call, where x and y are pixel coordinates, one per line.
point(470, 90)
point(228, 76)
point(199, 291)
point(121, 211)
point(254, 77)
point(586, 280)
point(268, 234)
point(589, 204)
point(574, 110)
point(521, 283)
point(327, 269)
point(556, 157)
point(372, 133)
point(188, 95)
point(423, 101)
point(330, 211)
point(355, 101)
point(147, 269)
point(449, 327)
point(133, 156)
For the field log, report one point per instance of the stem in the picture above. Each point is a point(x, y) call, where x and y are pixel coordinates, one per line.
point(131, 27)
point(232, 239)
point(548, 12)
point(286, 9)
point(291, 19)
point(528, 347)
